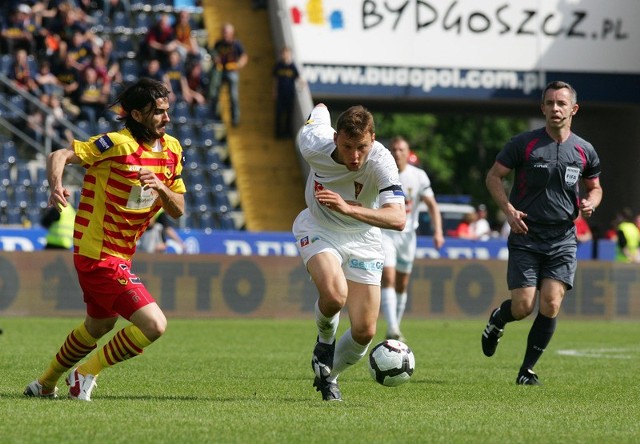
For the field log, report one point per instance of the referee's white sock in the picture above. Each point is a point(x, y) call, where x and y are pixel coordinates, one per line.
point(348, 352)
point(327, 327)
point(389, 306)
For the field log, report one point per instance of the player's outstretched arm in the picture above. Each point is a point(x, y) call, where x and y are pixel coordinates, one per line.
point(56, 162)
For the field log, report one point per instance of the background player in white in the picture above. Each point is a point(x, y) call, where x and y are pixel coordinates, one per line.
point(400, 247)
point(352, 191)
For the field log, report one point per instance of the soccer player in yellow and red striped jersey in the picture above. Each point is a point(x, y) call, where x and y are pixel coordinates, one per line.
point(130, 175)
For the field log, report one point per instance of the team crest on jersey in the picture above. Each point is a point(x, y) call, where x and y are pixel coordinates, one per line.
point(169, 170)
point(358, 188)
point(103, 143)
point(317, 186)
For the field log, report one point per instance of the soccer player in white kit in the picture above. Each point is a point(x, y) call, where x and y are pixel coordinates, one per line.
point(352, 191)
point(400, 247)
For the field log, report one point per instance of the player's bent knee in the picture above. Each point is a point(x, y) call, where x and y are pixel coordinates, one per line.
point(364, 335)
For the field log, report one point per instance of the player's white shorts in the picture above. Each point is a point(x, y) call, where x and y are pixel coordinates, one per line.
point(360, 253)
point(399, 250)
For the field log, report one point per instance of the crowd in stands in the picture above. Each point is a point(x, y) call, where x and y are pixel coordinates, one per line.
point(74, 56)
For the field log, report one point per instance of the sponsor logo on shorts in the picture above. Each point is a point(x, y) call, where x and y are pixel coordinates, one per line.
point(366, 265)
point(304, 241)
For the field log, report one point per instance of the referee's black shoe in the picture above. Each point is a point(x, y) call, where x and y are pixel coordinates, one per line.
point(491, 336)
point(527, 377)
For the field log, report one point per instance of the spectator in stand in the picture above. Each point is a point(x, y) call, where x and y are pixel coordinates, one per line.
point(81, 50)
point(229, 58)
point(67, 22)
point(47, 82)
point(20, 31)
point(92, 98)
point(69, 78)
point(152, 69)
point(50, 124)
point(111, 61)
point(179, 77)
point(463, 230)
point(628, 238)
point(188, 45)
point(160, 40)
point(285, 76)
point(583, 231)
point(21, 73)
point(196, 82)
point(480, 229)
point(111, 7)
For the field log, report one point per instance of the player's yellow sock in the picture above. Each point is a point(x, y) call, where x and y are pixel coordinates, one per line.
point(78, 344)
point(126, 344)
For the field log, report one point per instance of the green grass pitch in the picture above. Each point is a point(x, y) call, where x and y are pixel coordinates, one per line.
point(249, 381)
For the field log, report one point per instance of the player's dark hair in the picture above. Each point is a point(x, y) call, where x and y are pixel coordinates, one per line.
point(356, 121)
point(139, 96)
point(556, 85)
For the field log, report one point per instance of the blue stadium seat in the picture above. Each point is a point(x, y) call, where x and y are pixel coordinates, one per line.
point(196, 177)
point(216, 179)
point(41, 197)
point(194, 154)
point(4, 197)
point(121, 23)
point(41, 176)
point(207, 135)
point(142, 22)
point(161, 5)
point(124, 47)
point(202, 113)
point(16, 108)
point(180, 112)
point(207, 221)
point(6, 62)
point(14, 216)
point(5, 174)
point(225, 221)
point(10, 152)
point(19, 197)
point(130, 69)
point(34, 214)
point(185, 134)
point(104, 126)
point(23, 175)
point(139, 5)
point(221, 200)
point(212, 158)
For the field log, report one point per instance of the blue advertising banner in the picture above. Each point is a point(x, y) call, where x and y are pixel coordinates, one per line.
point(243, 243)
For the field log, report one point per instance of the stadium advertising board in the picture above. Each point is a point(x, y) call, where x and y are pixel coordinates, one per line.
point(243, 243)
point(467, 49)
point(44, 283)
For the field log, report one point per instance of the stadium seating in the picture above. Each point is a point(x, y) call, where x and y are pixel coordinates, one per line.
point(208, 175)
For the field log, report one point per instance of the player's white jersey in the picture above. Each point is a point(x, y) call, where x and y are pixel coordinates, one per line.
point(374, 184)
point(415, 185)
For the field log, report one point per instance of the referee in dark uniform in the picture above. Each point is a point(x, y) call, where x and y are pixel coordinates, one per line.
point(548, 162)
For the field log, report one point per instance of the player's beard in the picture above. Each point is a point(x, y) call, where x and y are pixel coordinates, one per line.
point(159, 131)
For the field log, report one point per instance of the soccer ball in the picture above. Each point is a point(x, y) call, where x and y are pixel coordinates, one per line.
point(391, 363)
